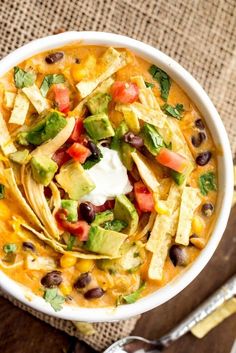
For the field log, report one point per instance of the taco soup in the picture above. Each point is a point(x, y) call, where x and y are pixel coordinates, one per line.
point(108, 177)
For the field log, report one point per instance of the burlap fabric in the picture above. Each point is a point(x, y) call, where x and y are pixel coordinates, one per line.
point(199, 34)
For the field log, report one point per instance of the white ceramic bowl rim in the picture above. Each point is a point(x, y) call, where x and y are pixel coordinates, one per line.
point(207, 109)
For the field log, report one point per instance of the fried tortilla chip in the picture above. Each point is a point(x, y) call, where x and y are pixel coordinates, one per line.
point(20, 109)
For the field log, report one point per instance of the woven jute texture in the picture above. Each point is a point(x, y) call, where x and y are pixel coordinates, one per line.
point(199, 34)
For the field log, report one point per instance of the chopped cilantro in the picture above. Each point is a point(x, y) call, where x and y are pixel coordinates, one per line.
point(52, 297)
point(49, 80)
point(207, 182)
point(22, 78)
point(176, 111)
point(9, 248)
point(70, 243)
point(163, 79)
point(2, 191)
point(132, 297)
point(149, 84)
point(115, 225)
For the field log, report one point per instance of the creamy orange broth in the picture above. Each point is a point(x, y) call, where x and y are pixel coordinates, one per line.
point(113, 284)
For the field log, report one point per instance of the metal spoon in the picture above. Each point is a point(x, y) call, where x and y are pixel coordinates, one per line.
point(131, 344)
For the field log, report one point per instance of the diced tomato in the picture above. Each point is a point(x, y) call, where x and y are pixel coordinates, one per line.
point(62, 97)
point(78, 152)
point(80, 228)
point(143, 197)
point(172, 160)
point(61, 157)
point(78, 130)
point(108, 205)
point(124, 92)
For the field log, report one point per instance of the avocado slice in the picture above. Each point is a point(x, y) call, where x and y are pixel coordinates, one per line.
point(99, 103)
point(153, 141)
point(48, 126)
point(74, 180)
point(43, 169)
point(106, 242)
point(125, 211)
point(99, 126)
point(20, 157)
point(115, 224)
point(121, 130)
point(129, 261)
point(178, 178)
point(103, 217)
point(72, 208)
point(126, 157)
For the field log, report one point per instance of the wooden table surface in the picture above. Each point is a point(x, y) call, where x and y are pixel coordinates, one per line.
point(22, 333)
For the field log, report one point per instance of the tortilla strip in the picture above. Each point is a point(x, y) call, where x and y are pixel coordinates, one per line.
point(157, 263)
point(103, 88)
point(50, 147)
point(6, 143)
point(145, 171)
point(165, 223)
point(146, 95)
point(34, 95)
point(9, 98)
point(189, 202)
point(215, 318)
point(20, 109)
point(140, 233)
point(111, 61)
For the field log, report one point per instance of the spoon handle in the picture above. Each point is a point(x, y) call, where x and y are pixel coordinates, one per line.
point(227, 291)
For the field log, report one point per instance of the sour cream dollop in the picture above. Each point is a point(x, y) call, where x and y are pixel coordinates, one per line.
point(110, 177)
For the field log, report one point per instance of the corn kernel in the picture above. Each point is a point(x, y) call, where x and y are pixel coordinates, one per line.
point(80, 71)
point(85, 265)
point(161, 207)
point(198, 225)
point(67, 261)
point(66, 289)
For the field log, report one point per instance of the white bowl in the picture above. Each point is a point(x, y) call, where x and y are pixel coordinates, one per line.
point(225, 177)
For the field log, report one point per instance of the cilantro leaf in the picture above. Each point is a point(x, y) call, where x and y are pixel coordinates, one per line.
point(54, 299)
point(132, 297)
point(176, 111)
point(115, 225)
point(163, 79)
point(23, 78)
point(2, 191)
point(9, 248)
point(48, 81)
point(70, 243)
point(207, 182)
point(92, 160)
point(149, 84)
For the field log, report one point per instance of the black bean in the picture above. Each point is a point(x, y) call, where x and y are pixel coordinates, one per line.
point(133, 140)
point(207, 209)
point(52, 279)
point(87, 211)
point(197, 140)
point(203, 158)
point(77, 60)
point(54, 57)
point(27, 245)
point(178, 255)
point(199, 124)
point(106, 143)
point(83, 280)
point(94, 293)
point(93, 149)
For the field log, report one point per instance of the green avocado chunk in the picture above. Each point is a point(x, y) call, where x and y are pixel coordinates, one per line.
point(98, 126)
point(121, 130)
point(105, 242)
point(49, 125)
point(178, 178)
point(103, 217)
point(99, 103)
point(130, 259)
point(74, 180)
point(20, 157)
point(43, 169)
point(125, 211)
point(153, 141)
point(72, 208)
point(125, 154)
point(115, 224)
